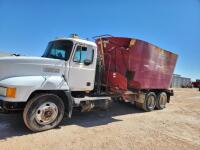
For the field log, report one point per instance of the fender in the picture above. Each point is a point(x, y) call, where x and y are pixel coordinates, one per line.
point(26, 85)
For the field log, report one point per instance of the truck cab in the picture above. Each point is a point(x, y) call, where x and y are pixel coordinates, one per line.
point(79, 57)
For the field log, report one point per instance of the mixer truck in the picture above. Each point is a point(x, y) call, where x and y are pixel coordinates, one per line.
point(77, 73)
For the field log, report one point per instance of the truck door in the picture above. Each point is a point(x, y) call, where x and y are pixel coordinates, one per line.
point(82, 68)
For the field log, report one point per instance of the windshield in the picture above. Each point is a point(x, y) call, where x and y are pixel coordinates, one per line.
point(60, 49)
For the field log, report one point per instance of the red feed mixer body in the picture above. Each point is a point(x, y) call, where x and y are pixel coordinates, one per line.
point(135, 64)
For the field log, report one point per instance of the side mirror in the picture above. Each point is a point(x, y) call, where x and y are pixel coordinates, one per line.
point(87, 62)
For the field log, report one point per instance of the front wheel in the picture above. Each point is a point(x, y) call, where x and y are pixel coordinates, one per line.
point(43, 112)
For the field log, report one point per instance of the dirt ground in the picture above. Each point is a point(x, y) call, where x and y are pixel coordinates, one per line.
point(121, 127)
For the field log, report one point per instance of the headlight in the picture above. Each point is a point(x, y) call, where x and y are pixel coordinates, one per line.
point(8, 92)
point(3, 91)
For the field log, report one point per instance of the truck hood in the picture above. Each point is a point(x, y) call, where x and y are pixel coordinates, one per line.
point(30, 66)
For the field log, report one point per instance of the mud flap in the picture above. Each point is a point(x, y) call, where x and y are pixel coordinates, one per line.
point(69, 103)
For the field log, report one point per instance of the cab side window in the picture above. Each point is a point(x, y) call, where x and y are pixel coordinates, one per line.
point(83, 53)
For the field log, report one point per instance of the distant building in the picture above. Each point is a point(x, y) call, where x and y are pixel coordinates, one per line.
point(178, 81)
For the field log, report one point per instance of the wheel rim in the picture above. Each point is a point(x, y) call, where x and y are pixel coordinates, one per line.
point(46, 113)
point(151, 102)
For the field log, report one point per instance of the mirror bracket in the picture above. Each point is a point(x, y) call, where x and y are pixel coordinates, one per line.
point(87, 62)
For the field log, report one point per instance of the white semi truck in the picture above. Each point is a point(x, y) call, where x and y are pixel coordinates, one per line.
point(68, 75)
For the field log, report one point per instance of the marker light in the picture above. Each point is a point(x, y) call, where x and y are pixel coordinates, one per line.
point(11, 92)
point(3, 91)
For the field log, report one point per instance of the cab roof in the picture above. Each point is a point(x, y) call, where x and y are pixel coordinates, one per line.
point(78, 40)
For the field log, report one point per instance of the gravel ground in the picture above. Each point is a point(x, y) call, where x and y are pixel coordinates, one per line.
point(121, 127)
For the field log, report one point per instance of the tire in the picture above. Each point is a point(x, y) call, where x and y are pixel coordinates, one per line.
point(43, 112)
point(150, 102)
point(161, 100)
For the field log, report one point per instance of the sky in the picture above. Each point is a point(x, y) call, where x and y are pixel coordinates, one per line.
point(26, 26)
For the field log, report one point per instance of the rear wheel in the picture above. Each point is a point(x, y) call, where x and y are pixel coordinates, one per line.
point(43, 112)
point(161, 100)
point(150, 102)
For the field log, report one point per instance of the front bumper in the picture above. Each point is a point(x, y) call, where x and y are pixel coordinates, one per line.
point(2, 106)
point(1, 109)
point(11, 106)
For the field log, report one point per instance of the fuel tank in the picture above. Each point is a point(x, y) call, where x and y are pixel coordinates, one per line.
point(135, 64)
